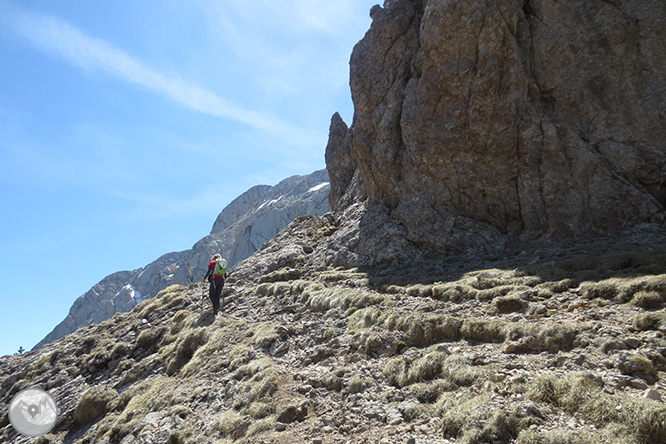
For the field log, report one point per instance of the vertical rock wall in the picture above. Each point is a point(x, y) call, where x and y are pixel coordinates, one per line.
point(479, 119)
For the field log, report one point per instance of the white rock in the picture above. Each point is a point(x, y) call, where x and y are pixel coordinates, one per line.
point(652, 394)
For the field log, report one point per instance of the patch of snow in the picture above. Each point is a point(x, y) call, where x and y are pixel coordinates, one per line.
point(138, 297)
point(133, 293)
point(270, 202)
point(319, 187)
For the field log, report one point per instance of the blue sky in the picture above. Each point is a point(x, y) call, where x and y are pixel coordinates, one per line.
point(127, 126)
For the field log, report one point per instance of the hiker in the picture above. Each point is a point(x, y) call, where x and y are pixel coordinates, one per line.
point(216, 273)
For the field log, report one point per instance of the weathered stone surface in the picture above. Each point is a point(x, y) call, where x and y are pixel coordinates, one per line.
point(341, 166)
point(481, 119)
point(258, 215)
point(652, 394)
point(293, 413)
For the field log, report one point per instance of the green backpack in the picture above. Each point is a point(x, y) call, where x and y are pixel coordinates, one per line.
point(220, 267)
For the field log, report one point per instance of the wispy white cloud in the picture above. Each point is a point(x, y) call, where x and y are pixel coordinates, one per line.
point(292, 51)
point(300, 73)
point(62, 39)
point(288, 36)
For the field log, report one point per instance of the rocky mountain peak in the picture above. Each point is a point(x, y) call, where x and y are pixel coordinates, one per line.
point(477, 122)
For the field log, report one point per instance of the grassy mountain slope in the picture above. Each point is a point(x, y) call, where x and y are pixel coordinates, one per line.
point(556, 344)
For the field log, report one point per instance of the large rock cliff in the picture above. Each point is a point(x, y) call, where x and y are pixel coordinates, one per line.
point(240, 229)
point(479, 121)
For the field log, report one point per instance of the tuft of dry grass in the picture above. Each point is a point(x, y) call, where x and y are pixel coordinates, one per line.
point(421, 330)
point(232, 425)
point(252, 368)
point(166, 299)
point(428, 392)
point(472, 416)
point(342, 298)
point(510, 304)
point(474, 419)
point(226, 342)
point(458, 371)
point(259, 410)
point(400, 372)
point(648, 300)
point(263, 385)
point(364, 318)
point(559, 286)
point(637, 420)
point(94, 404)
point(149, 338)
point(533, 336)
point(348, 276)
point(582, 435)
point(454, 292)
point(637, 365)
point(183, 350)
point(275, 289)
point(126, 412)
point(450, 372)
point(624, 289)
point(650, 321)
point(265, 334)
point(420, 290)
point(355, 385)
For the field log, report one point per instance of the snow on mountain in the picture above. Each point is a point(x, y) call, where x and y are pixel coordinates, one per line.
point(319, 187)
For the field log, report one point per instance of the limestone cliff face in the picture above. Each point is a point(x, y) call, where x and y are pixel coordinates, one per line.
point(481, 119)
point(240, 229)
point(261, 212)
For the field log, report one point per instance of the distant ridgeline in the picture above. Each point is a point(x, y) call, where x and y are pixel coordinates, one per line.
point(239, 230)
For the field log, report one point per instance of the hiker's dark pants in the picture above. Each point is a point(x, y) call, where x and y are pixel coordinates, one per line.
point(216, 286)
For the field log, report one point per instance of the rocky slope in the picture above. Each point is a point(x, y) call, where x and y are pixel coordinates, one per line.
point(555, 344)
point(481, 121)
point(240, 229)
